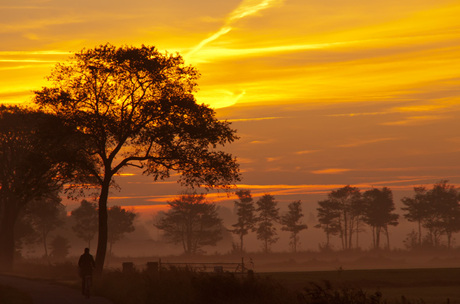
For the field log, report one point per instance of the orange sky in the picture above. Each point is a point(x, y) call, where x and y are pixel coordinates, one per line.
point(323, 92)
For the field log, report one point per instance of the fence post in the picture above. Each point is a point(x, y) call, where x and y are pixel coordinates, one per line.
point(128, 267)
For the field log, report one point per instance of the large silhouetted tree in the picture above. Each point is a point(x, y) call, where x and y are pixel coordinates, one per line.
point(192, 222)
point(268, 215)
point(85, 218)
point(245, 211)
point(292, 223)
point(379, 207)
point(38, 154)
point(137, 107)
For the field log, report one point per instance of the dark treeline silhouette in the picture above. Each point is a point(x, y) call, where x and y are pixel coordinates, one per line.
point(437, 210)
point(39, 154)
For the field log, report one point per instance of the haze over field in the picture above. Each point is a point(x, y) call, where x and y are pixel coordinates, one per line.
point(322, 93)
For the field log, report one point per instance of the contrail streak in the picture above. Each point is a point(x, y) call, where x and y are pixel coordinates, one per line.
point(245, 9)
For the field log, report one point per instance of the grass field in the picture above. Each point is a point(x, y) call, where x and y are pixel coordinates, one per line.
point(429, 285)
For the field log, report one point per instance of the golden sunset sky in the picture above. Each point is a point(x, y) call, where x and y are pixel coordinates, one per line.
point(323, 93)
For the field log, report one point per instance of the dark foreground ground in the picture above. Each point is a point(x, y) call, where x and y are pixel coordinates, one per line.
point(423, 285)
point(439, 285)
point(45, 292)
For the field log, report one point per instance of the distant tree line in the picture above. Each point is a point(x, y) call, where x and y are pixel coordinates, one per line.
point(43, 217)
point(193, 222)
point(347, 211)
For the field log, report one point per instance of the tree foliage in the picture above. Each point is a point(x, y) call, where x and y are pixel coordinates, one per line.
point(291, 222)
point(136, 106)
point(85, 218)
point(349, 209)
point(268, 215)
point(192, 222)
point(35, 149)
point(45, 215)
point(245, 211)
point(437, 210)
point(329, 219)
point(60, 247)
point(379, 207)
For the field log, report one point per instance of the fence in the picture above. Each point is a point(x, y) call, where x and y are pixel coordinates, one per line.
point(200, 267)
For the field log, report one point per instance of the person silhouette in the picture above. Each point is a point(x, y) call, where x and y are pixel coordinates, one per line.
point(86, 265)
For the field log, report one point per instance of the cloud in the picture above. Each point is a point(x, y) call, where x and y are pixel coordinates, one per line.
point(306, 152)
point(366, 142)
point(330, 171)
point(255, 119)
point(415, 120)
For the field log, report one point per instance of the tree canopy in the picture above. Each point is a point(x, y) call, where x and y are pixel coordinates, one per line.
point(268, 215)
point(245, 211)
point(137, 108)
point(192, 222)
point(291, 222)
point(35, 148)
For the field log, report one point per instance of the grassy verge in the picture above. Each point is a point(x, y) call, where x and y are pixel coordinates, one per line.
point(9, 295)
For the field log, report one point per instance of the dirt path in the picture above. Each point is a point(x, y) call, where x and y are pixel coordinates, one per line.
point(43, 292)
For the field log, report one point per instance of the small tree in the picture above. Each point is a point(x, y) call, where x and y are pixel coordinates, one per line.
point(192, 222)
point(416, 208)
point(245, 211)
point(85, 217)
point(46, 215)
point(268, 215)
point(59, 248)
point(348, 200)
point(120, 222)
point(378, 213)
point(444, 211)
point(291, 222)
point(329, 219)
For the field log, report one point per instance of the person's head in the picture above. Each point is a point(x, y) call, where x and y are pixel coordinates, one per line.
point(86, 250)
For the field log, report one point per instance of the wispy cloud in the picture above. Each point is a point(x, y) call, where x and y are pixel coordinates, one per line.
point(255, 118)
point(306, 152)
point(366, 142)
point(415, 120)
point(245, 9)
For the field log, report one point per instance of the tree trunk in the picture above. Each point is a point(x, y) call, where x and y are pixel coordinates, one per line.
point(420, 233)
point(10, 214)
point(241, 243)
point(294, 240)
point(46, 247)
point(388, 238)
point(103, 228)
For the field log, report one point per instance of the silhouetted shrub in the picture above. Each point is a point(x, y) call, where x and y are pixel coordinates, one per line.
point(326, 294)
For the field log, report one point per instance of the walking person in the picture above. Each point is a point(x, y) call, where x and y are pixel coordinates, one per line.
point(86, 265)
